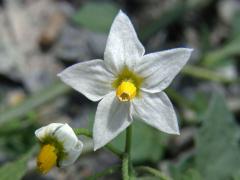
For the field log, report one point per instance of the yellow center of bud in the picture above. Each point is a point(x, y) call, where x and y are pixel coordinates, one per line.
point(126, 91)
point(47, 158)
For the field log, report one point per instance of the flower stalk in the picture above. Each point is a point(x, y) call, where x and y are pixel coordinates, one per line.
point(87, 133)
point(125, 167)
point(126, 161)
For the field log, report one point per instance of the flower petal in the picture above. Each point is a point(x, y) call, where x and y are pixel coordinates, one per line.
point(89, 78)
point(72, 155)
point(157, 111)
point(44, 131)
point(66, 136)
point(160, 68)
point(111, 118)
point(123, 46)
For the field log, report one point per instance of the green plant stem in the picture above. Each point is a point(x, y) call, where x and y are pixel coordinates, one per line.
point(126, 161)
point(105, 172)
point(125, 167)
point(86, 132)
point(82, 131)
point(128, 140)
point(153, 172)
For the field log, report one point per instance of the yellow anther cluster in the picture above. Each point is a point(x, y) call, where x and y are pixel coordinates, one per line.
point(47, 158)
point(126, 91)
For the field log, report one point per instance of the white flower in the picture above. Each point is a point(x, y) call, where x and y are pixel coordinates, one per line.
point(128, 83)
point(59, 146)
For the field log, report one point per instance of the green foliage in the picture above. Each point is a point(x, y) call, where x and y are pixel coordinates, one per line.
point(235, 26)
point(14, 136)
point(226, 52)
point(16, 170)
point(96, 16)
point(147, 143)
point(191, 174)
point(216, 156)
point(217, 143)
point(184, 168)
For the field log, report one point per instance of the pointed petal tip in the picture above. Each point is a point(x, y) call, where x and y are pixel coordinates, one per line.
point(186, 49)
point(96, 147)
point(190, 50)
point(61, 75)
point(122, 14)
point(175, 132)
point(178, 133)
point(172, 132)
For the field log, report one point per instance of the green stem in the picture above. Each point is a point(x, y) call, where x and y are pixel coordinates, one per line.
point(128, 140)
point(105, 172)
point(83, 131)
point(125, 167)
point(153, 171)
point(127, 164)
point(86, 132)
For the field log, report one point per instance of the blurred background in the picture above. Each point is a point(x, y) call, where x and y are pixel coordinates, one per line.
point(38, 39)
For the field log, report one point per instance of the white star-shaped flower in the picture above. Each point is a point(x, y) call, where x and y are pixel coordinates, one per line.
point(128, 83)
point(59, 146)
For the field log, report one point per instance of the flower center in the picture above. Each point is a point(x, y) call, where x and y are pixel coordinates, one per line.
point(127, 84)
point(47, 158)
point(126, 91)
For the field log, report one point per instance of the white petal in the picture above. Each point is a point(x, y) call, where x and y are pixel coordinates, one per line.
point(111, 118)
point(72, 155)
point(89, 78)
point(123, 46)
point(157, 111)
point(160, 68)
point(65, 135)
point(44, 131)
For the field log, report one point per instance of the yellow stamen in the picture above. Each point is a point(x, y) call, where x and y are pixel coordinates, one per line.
point(47, 158)
point(126, 91)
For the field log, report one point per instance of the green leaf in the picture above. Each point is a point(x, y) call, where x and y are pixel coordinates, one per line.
point(184, 168)
point(217, 143)
point(16, 170)
point(191, 174)
point(96, 16)
point(147, 143)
